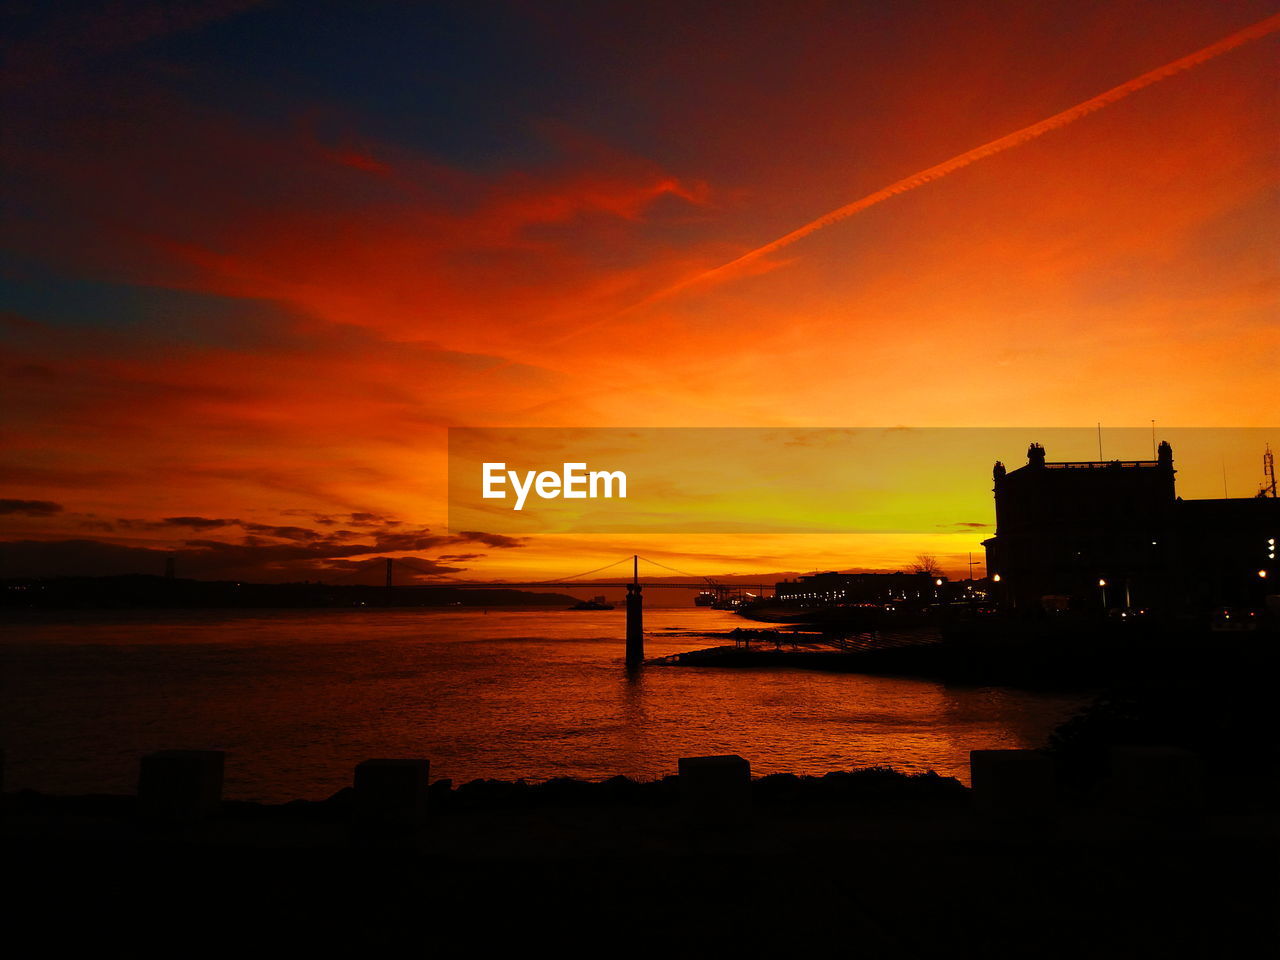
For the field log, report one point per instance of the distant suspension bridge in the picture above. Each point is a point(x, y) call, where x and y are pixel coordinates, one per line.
point(634, 602)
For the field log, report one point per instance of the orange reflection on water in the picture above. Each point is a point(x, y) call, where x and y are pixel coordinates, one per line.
point(299, 697)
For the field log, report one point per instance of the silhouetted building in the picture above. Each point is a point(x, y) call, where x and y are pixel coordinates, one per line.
point(1113, 535)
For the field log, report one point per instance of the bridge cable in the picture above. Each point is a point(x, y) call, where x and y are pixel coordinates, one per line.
point(585, 574)
point(445, 579)
point(406, 562)
point(360, 567)
point(683, 573)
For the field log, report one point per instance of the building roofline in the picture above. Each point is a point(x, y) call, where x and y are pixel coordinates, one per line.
point(1087, 464)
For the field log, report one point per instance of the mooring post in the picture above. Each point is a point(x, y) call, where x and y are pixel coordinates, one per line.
point(635, 618)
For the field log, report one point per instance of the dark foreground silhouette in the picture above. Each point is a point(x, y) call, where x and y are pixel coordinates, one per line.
point(874, 862)
point(1148, 827)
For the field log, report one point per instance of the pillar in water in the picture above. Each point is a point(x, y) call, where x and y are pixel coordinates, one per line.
point(635, 626)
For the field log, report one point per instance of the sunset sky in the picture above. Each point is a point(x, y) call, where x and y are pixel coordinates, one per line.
point(257, 258)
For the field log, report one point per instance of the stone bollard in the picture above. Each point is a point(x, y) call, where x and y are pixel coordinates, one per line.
point(715, 789)
point(1156, 781)
point(180, 786)
point(1012, 783)
point(390, 797)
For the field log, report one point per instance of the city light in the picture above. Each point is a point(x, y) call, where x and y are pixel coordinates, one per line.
point(1101, 582)
point(996, 578)
point(1262, 574)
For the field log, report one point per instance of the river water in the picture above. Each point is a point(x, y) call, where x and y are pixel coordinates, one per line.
point(298, 697)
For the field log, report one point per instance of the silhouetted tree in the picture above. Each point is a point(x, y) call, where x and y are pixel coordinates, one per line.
point(926, 563)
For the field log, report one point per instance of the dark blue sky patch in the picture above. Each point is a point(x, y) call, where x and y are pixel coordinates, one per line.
point(152, 314)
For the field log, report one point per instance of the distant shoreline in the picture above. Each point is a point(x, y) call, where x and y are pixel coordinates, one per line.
point(140, 592)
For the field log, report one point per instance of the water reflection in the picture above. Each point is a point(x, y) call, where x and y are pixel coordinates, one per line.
point(298, 697)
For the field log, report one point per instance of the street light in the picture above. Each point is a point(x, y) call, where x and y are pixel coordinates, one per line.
point(1103, 584)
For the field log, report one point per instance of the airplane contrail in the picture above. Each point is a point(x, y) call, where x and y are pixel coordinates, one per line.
point(1007, 142)
point(1258, 30)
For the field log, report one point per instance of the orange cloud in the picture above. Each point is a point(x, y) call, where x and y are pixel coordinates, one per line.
point(1120, 270)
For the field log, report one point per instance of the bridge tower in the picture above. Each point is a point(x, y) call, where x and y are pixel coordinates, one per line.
point(635, 618)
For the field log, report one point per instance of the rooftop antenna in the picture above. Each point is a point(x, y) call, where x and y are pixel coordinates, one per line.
point(1269, 471)
point(1153, 440)
point(1099, 441)
point(1224, 478)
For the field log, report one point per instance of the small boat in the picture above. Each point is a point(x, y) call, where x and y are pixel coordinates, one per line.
point(595, 603)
